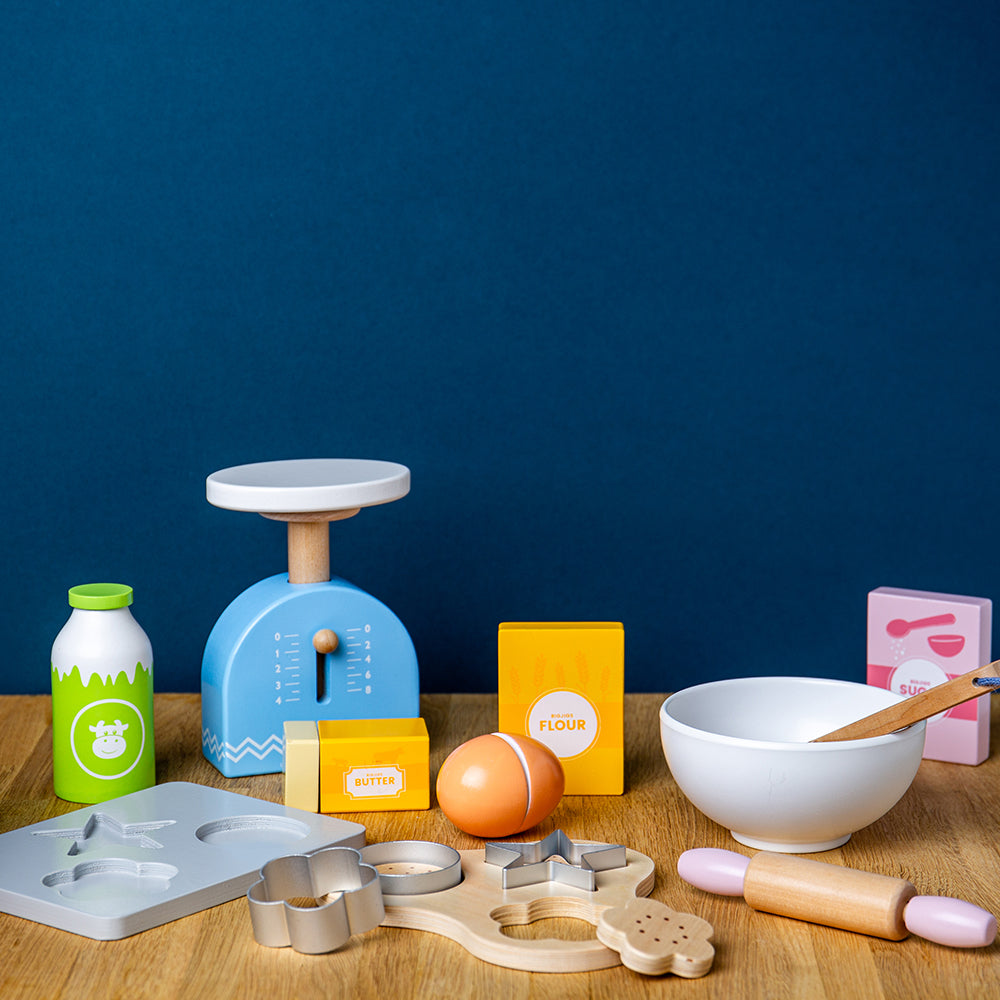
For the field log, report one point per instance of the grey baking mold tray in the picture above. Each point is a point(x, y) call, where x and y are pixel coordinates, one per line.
point(123, 866)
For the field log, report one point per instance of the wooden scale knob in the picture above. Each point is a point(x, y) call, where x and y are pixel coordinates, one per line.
point(326, 641)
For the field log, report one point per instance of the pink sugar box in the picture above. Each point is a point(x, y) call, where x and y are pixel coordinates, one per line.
point(917, 640)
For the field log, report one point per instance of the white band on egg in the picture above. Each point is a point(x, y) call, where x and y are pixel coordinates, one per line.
point(516, 747)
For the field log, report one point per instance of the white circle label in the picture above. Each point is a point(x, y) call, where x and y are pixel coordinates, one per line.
point(914, 676)
point(565, 722)
point(107, 742)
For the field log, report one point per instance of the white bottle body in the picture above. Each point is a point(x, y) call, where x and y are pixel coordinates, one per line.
point(105, 643)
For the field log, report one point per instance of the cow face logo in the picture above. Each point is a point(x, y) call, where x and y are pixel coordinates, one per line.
point(108, 749)
point(109, 741)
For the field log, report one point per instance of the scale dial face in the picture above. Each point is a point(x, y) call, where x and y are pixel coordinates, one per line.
point(261, 668)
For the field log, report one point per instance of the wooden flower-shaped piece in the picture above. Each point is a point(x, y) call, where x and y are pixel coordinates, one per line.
point(653, 939)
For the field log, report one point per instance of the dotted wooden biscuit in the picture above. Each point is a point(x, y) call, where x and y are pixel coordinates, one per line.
point(653, 939)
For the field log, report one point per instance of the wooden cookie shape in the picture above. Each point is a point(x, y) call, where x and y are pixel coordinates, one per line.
point(474, 913)
point(653, 939)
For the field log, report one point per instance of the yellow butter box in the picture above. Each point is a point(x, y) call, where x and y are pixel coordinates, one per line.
point(372, 765)
point(563, 684)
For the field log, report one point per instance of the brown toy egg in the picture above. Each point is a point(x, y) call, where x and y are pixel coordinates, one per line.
point(499, 784)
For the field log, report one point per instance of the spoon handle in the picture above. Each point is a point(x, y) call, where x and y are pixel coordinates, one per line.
point(920, 706)
point(945, 619)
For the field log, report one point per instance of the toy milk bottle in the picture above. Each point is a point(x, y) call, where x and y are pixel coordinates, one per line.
point(102, 698)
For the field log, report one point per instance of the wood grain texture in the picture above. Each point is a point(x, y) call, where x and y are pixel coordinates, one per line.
point(940, 836)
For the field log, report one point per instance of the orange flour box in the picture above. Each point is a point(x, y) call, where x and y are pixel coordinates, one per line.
point(563, 684)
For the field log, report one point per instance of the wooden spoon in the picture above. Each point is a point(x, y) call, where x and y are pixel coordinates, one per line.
point(920, 706)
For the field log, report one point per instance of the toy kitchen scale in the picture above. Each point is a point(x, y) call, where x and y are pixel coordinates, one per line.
point(302, 645)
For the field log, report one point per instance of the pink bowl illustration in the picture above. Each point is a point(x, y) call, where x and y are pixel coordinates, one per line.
point(947, 645)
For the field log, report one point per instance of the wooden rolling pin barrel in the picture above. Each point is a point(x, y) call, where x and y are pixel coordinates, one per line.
point(835, 896)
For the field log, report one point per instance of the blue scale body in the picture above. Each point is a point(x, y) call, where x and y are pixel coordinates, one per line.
point(260, 669)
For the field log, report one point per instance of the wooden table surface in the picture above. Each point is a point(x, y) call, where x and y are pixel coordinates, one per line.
point(939, 836)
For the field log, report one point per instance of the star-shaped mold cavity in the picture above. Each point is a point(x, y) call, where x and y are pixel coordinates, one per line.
point(556, 858)
point(102, 829)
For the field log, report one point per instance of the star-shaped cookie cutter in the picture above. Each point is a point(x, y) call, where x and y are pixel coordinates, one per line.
point(347, 892)
point(556, 858)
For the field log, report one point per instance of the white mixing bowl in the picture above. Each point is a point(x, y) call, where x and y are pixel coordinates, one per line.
point(739, 751)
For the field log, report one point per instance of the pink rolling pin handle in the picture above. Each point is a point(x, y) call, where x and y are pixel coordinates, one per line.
point(714, 870)
point(952, 922)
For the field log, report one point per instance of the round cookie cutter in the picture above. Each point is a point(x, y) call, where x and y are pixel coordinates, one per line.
point(414, 867)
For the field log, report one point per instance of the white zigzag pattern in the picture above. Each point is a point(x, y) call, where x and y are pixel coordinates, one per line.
point(218, 749)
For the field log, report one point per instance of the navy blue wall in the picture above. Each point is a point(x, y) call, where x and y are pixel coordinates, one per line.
point(682, 314)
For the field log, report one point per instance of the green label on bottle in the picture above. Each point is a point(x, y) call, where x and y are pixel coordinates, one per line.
point(102, 735)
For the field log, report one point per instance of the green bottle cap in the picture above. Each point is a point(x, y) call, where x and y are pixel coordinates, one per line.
point(100, 596)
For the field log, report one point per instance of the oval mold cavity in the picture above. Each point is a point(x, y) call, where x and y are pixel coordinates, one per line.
point(252, 830)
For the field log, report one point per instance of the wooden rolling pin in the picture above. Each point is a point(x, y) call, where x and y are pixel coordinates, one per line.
point(834, 896)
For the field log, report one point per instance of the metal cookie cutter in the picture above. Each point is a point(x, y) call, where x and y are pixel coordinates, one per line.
point(554, 859)
point(347, 891)
point(414, 867)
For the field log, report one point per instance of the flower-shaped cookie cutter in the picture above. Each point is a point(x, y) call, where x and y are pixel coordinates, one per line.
point(341, 897)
